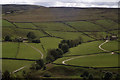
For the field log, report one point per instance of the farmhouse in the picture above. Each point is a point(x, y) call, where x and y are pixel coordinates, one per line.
point(25, 39)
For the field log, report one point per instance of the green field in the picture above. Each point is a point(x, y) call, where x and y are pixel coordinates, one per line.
point(53, 25)
point(108, 24)
point(111, 45)
point(85, 26)
point(25, 25)
point(85, 48)
point(99, 60)
point(70, 35)
point(27, 52)
point(12, 65)
point(50, 42)
point(98, 35)
point(24, 32)
point(7, 24)
point(9, 49)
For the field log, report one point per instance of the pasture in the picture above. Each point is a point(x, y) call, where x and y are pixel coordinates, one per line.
point(25, 25)
point(99, 60)
point(50, 42)
point(9, 49)
point(7, 24)
point(24, 32)
point(48, 26)
point(12, 65)
point(26, 51)
point(111, 46)
point(51, 26)
point(85, 48)
point(85, 26)
point(70, 35)
point(107, 24)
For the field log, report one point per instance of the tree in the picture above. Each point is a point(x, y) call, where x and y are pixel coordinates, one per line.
point(7, 38)
point(31, 35)
point(36, 41)
point(107, 76)
point(49, 58)
point(86, 74)
point(6, 75)
point(65, 48)
point(40, 63)
point(90, 77)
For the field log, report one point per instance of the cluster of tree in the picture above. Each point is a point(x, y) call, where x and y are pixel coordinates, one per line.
point(71, 43)
point(87, 76)
point(32, 38)
point(38, 65)
point(54, 54)
point(7, 38)
point(107, 76)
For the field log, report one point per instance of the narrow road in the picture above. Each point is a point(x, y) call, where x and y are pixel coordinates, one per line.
point(63, 62)
point(18, 69)
point(34, 49)
point(103, 44)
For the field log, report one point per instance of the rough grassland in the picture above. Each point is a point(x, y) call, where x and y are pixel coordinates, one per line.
point(109, 24)
point(9, 49)
point(85, 26)
point(26, 25)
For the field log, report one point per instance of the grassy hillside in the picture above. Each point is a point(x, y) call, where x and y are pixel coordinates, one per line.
point(63, 14)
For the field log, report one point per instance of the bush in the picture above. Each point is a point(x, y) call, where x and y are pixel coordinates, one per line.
point(107, 76)
point(7, 38)
point(31, 35)
point(36, 41)
point(47, 74)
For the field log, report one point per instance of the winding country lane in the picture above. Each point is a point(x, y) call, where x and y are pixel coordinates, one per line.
point(26, 66)
point(103, 44)
point(63, 62)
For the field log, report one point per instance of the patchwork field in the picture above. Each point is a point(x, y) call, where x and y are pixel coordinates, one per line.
point(82, 31)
